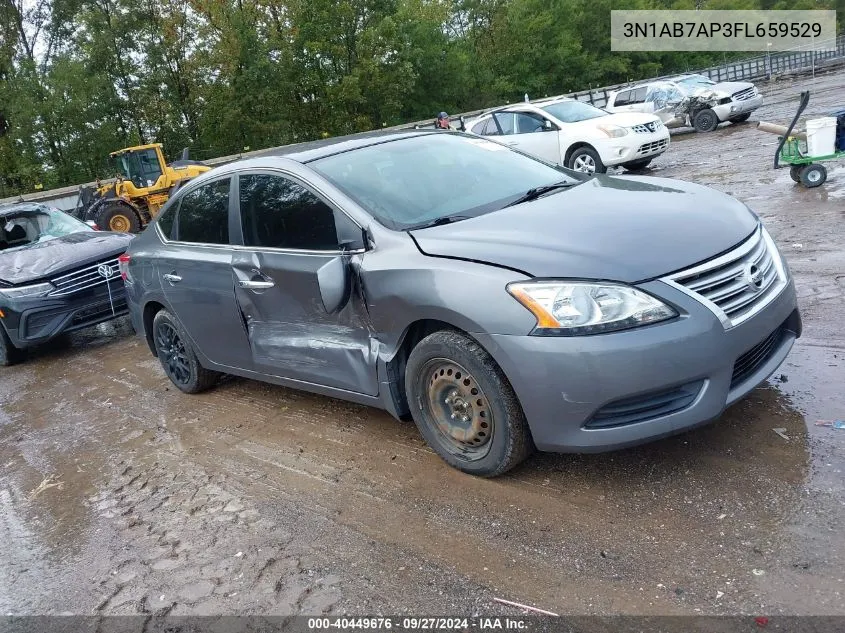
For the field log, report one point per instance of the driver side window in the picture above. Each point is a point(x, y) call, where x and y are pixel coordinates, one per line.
point(529, 122)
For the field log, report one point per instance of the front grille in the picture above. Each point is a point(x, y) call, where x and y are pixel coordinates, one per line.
point(98, 274)
point(645, 407)
point(738, 284)
point(751, 360)
point(98, 312)
point(646, 128)
point(745, 95)
point(650, 148)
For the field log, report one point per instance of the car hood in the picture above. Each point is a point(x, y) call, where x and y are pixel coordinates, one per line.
point(49, 259)
point(626, 229)
point(723, 89)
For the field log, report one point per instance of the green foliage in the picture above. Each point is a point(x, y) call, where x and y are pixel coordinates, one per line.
point(82, 78)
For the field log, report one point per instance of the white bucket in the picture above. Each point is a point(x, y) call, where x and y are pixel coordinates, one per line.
point(821, 136)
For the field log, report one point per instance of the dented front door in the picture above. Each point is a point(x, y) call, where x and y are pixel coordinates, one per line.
point(291, 334)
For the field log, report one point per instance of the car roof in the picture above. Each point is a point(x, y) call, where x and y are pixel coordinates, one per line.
point(314, 150)
point(14, 207)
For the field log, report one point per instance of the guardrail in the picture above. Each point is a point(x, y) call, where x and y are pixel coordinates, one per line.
point(768, 65)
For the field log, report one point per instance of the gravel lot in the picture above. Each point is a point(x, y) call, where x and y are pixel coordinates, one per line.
point(258, 499)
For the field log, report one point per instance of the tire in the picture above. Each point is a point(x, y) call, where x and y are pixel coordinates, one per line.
point(587, 160)
point(705, 120)
point(637, 165)
point(813, 175)
point(9, 354)
point(118, 217)
point(177, 356)
point(448, 374)
point(795, 172)
point(742, 118)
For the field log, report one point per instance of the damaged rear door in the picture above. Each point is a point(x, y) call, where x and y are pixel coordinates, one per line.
point(296, 286)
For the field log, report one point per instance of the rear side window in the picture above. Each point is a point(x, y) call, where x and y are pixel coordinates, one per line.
point(478, 128)
point(278, 212)
point(505, 121)
point(204, 214)
point(622, 98)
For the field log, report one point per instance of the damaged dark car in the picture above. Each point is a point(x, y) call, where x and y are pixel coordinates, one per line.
point(57, 275)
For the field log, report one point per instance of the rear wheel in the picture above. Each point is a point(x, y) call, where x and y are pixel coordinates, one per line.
point(813, 175)
point(705, 120)
point(741, 118)
point(637, 165)
point(177, 355)
point(795, 172)
point(587, 160)
point(9, 354)
point(464, 406)
point(120, 218)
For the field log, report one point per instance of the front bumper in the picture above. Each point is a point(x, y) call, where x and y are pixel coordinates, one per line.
point(735, 108)
point(34, 320)
point(603, 392)
point(633, 147)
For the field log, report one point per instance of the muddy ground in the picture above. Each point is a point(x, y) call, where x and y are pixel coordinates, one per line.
point(258, 499)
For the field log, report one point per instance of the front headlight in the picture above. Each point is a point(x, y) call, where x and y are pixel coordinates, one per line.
point(576, 308)
point(35, 290)
point(613, 131)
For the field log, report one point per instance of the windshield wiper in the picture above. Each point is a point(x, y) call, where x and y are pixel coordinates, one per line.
point(536, 192)
point(446, 219)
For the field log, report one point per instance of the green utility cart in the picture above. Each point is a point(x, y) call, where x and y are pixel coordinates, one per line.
point(804, 169)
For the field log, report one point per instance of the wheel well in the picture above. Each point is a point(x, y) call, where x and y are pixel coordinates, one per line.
point(415, 332)
point(572, 148)
point(150, 311)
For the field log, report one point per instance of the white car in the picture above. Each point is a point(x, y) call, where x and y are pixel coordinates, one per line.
point(669, 99)
point(575, 134)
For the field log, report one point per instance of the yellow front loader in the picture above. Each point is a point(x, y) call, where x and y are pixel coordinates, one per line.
point(143, 185)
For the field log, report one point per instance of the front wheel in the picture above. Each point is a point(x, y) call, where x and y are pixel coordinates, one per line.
point(177, 356)
point(587, 160)
point(813, 176)
point(9, 354)
point(795, 172)
point(120, 218)
point(464, 406)
point(705, 120)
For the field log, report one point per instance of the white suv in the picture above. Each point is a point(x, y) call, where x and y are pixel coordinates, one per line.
point(575, 134)
point(689, 100)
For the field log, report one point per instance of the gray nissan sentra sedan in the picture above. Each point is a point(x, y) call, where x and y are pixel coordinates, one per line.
point(502, 303)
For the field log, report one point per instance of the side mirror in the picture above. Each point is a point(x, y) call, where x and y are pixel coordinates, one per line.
point(333, 279)
point(547, 125)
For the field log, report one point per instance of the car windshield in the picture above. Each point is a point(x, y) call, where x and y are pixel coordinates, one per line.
point(419, 180)
point(573, 111)
point(20, 228)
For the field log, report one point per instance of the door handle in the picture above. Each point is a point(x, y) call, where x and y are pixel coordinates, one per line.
point(172, 278)
point(250, 284)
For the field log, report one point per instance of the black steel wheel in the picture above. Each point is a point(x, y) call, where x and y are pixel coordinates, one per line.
point(813, 175)
point(705, 120)
point(795, 172)
point(9, 354)
point(464, 405)
point(177, 357)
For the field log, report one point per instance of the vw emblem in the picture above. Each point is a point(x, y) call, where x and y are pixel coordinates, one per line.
point(105, 271)
point(753, 277)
